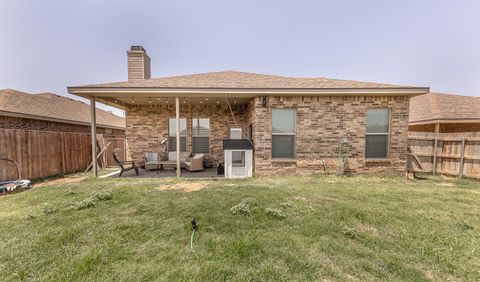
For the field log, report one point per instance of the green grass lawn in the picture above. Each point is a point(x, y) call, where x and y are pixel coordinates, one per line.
point(316, 228)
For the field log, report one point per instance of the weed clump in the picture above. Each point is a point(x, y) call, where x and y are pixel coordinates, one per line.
point(276, 213)
point(245, 207)
point(86, 203)
point(350, 232)
point(288, 205)
point(466, 225)
point(101, 196)
point(91, 201)
point(49, 210)
point(29, 216)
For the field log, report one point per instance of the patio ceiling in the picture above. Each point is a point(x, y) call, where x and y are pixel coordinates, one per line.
point(135, 100)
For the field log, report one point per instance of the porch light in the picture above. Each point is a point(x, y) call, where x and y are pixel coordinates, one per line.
point(116, 101)
point(133, 101)
point(218, 102)
point(150, 101)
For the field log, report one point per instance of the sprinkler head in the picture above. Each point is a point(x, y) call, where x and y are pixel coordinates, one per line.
point(194, 223)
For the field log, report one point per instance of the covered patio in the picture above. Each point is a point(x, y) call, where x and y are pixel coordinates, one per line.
point(176, 125)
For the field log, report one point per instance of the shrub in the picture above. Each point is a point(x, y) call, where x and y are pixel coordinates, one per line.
point(276, 213)
point(245, 207)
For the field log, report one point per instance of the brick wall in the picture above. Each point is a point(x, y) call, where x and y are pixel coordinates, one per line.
point(148, 125)
point(321, 123)
point(42, 125)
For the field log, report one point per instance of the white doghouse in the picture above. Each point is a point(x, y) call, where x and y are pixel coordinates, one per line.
point(238, 158)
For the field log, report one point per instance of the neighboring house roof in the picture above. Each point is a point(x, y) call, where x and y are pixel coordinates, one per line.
point(52, 107)
point(245, 80)
point(442, 108)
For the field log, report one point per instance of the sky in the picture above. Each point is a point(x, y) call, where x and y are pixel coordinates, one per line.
point(48, 45)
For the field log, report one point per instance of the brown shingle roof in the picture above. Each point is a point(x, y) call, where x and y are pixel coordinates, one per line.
point(244, 80)
point(52, 106)
point(439, 106)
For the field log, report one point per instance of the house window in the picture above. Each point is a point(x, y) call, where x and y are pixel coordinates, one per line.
point(376, 144)
point(172, 143)
point(283, 133)
point(200, 135)
point(238, 158)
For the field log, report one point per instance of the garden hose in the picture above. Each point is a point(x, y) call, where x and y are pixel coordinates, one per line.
point(343, 156)
point(194, 227)
point(191, 240)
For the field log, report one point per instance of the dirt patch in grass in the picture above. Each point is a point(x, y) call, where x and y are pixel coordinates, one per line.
point(446, 184)
point(64, 180)
point(184, 186)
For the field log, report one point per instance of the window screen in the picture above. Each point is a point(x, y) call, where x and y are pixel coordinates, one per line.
point(283, 133)
point(376, 142)
point(201, 135)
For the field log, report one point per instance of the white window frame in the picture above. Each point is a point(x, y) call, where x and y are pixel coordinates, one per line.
point(387, 142)
point(286, 134)
point(186, 135)
point(209, 126)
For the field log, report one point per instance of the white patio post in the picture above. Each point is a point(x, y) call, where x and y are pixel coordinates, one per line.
point(93, 120)
point(177, 133)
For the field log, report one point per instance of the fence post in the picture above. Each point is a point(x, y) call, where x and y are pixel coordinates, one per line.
point(435, 156)
point(462, 155)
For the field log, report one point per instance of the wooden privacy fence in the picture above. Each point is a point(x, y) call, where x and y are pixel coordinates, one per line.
point(43, 153)
point(116, 143)
point(445, 153)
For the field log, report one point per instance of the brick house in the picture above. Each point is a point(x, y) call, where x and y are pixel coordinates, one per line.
point(51, 112)
point(444, 113)
point(295, 124)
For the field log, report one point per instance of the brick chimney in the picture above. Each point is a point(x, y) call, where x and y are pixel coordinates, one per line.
point(138, 63)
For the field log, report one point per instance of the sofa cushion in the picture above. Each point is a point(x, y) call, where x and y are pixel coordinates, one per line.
point(151, 157)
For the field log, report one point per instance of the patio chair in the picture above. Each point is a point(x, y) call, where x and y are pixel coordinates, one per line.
point(195, 164)
point(125, 165)
point(151, 161)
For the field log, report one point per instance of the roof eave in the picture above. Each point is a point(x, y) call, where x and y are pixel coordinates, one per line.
point(88, 92)
point(444, 120)
point(43, 118)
